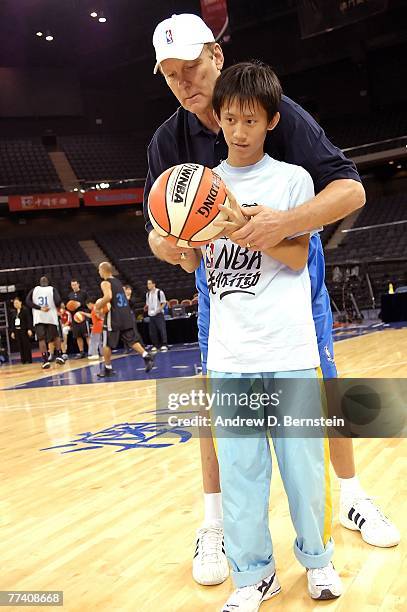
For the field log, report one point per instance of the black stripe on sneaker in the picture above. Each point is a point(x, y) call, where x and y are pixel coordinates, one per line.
point(361, 523)
point(196, 548)
point(350, 514)
point(265, 586)
point(356, 518)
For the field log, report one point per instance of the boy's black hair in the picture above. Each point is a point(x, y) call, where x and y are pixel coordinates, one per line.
point(248, 82)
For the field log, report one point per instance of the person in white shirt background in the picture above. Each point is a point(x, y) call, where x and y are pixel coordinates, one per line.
point(156, 302)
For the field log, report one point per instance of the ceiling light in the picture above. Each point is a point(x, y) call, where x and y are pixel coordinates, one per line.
point(93, 14)
point(399, 166)
point(102, 18)
point(38, 34)
point(49, 36)
point(391, 162)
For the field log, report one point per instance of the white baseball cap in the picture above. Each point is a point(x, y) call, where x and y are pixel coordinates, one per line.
point(180, 37)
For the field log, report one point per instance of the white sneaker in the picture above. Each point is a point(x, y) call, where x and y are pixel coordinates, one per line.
point(210, 565)
point(93, 357)
point(361, 514)
point(324, 583)
point(153, 349)
point(164, 348)
point(249, 599)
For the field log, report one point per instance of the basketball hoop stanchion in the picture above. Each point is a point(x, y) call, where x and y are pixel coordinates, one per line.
point(369, 285)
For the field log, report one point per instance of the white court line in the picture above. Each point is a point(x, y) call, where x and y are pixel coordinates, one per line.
point(381, 365)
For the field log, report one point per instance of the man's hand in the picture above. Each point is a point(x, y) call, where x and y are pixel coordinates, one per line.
point(13, 336)
point(163, 250)
point(266, 228)
point(29, 332)
point(236, 218)
point(44, 308)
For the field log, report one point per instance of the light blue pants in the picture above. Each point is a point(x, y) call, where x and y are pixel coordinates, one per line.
point(245, 472)
point(97, 341)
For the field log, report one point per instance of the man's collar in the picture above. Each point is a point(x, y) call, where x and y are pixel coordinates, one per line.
point(195, 126)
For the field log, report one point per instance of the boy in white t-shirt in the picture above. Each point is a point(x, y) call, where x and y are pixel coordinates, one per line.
point(262, 329)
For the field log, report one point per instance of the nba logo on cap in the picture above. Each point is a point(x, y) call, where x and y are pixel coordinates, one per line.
point(169, 38)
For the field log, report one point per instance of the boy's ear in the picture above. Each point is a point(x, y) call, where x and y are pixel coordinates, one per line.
point(274, 122)
point(215, 116)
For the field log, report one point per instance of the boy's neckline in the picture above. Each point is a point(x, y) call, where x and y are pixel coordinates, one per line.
point(239, 169)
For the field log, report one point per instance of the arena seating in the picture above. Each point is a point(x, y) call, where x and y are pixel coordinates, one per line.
point(377, 242)
point(353, 130)
point(60, 258)
point(106, 157)
point(26, 168)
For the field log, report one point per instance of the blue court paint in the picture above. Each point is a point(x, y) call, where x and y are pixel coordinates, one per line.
point(126, 436)
point(179, 361)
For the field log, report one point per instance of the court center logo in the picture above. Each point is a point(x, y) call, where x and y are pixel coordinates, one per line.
point(126, 436)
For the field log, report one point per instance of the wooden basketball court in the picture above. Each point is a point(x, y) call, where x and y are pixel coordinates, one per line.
point(115, 530)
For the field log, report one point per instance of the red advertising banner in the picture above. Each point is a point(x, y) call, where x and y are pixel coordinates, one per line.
point(215, 15)
point(113, 197)
point(43, 201)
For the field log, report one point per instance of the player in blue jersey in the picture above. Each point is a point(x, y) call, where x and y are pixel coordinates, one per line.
point(190, 62)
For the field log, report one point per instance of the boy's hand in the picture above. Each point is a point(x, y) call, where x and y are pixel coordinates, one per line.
point(236, 219)
point(266, 229)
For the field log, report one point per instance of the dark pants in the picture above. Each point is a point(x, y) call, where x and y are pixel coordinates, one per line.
point(157, 329)
point(24, 346)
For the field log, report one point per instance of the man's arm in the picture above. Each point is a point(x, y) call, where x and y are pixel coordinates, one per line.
point(106, 288)
point(293, 253)
point(29, 301)
point(269, 226)
point(191, 260)
point(157, 163)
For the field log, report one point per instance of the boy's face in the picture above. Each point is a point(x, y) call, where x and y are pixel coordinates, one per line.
point(245, 128)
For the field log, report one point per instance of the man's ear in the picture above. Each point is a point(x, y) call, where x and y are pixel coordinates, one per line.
point(274, 122)
point(215, 116)
point(218, 56)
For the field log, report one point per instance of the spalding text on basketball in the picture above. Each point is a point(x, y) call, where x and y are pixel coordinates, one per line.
point(207, 206)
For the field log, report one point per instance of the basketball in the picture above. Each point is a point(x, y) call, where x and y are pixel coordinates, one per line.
point(183, 204)
point(73, 305)
point(105, 309)
point(79, 317)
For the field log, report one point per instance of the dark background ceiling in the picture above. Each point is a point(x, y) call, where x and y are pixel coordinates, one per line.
point(350, 69)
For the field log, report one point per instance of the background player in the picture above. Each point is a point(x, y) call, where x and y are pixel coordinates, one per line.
point(95, 349)
point(44, 301)
point(80, 331)
point(120, 321)
point(65, 322)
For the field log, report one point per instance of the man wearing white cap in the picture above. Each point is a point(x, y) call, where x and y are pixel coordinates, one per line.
point(190, 61)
